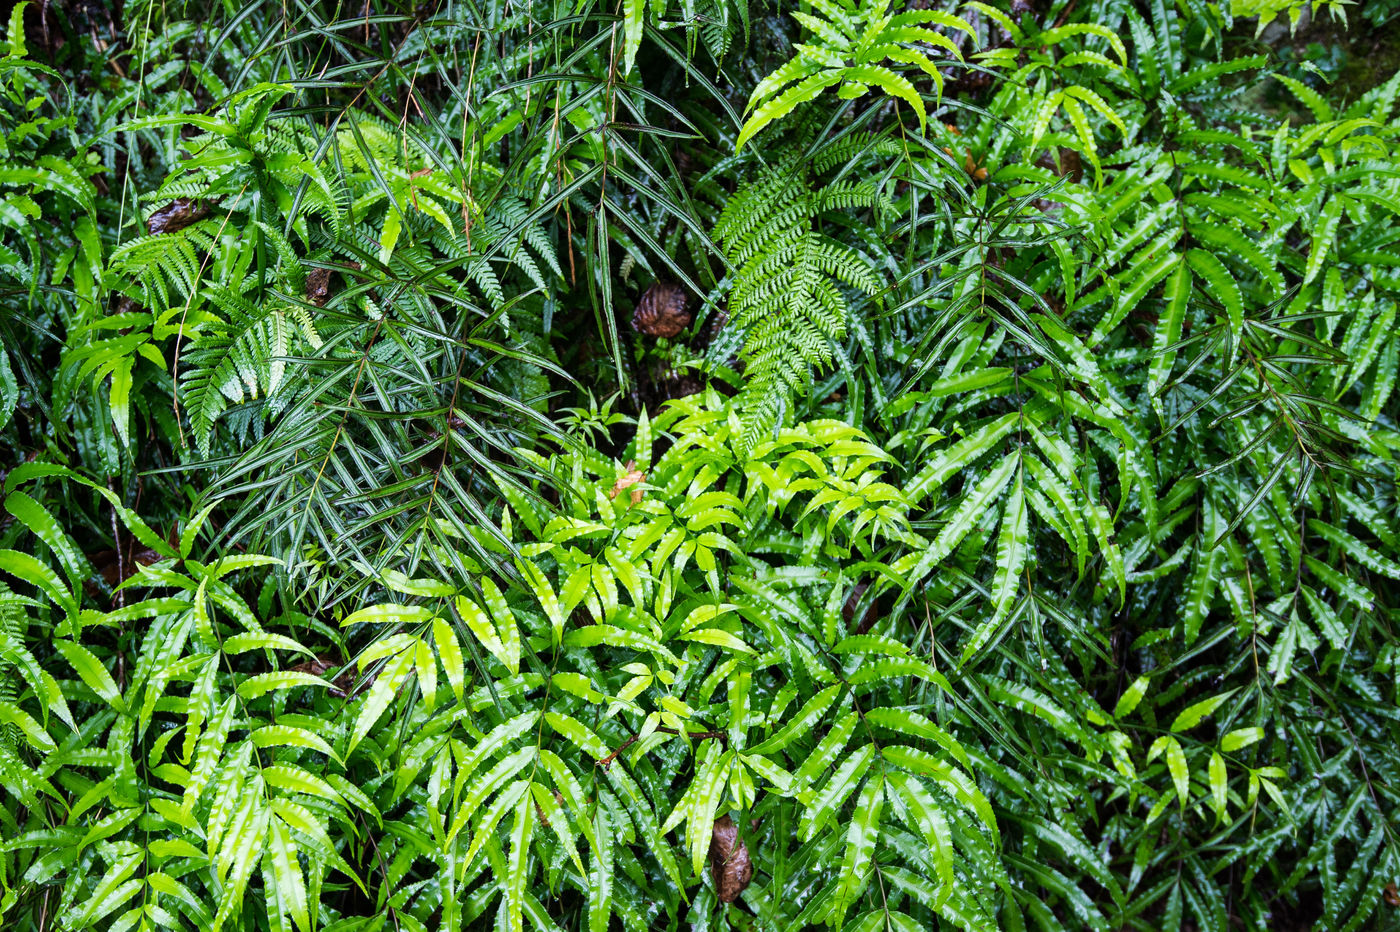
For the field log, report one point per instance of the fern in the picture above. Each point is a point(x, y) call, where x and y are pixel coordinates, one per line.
point(17, 665)
point(789, 297)
point(167, 268)
point(854, 42)
point(1038, 574)
point(240, 356)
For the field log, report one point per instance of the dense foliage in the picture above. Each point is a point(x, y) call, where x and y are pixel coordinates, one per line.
point(711, 465)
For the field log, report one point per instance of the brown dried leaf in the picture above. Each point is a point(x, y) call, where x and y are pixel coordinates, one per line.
point(175, 216)
point(318, 282)
point(114, 571)
point(717, 321)
point(1072, 166)
point(343, 682)
point(730, 866)
point(661, 312)
point(1392, 895)
point(848, 611)
point(126, 305)
point(318, 287)
point(627, 480)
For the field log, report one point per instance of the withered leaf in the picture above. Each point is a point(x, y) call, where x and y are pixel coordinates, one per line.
point(848, 611)
point(318, 287)
point(661, 312)
point(114, 571)
point(717, 321)
point(344, 681)
point(127, 305)
point(631, 477)
point(730, 866)
point(318, 282)
point(175, 216)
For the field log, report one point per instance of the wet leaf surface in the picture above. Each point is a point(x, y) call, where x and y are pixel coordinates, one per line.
point(175, 216)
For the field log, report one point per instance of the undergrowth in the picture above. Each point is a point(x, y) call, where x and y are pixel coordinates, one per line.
point(702, 465)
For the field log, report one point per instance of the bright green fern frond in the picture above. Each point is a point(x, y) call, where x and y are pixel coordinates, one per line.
point(790, 296)
point(240, 358)
point(166, 265)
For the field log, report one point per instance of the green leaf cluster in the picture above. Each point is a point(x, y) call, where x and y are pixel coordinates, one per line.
point(461, 470)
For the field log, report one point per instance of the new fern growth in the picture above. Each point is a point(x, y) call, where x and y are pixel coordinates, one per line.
point(856, 46)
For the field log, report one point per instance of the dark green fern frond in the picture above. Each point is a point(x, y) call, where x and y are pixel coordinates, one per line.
point(855, 145)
